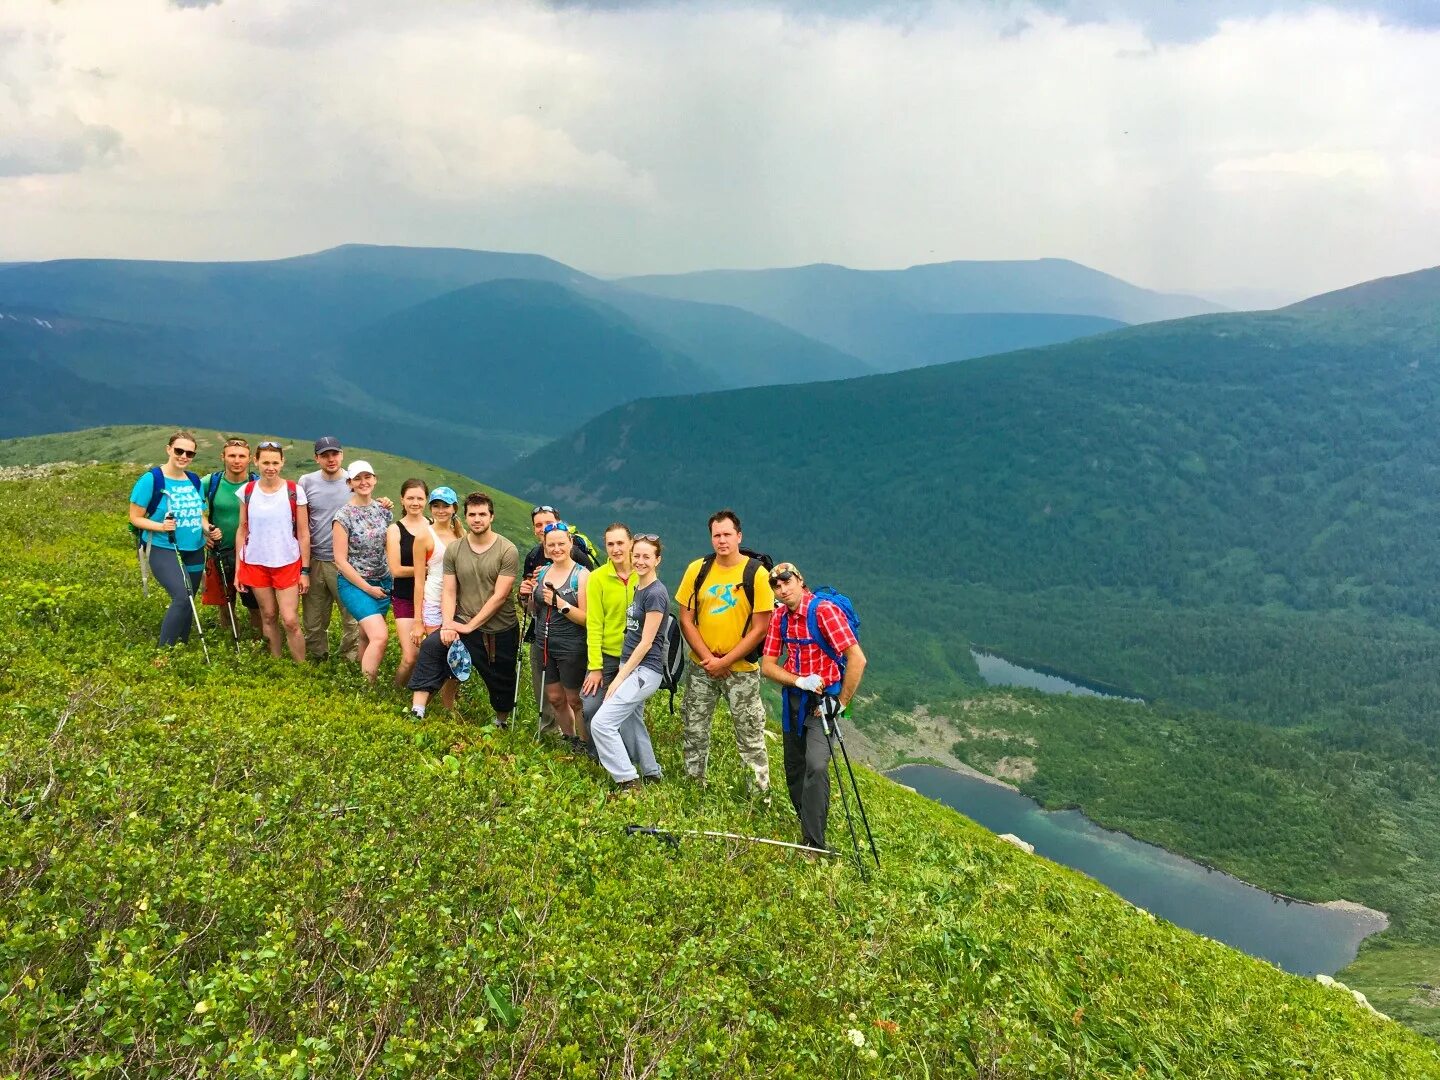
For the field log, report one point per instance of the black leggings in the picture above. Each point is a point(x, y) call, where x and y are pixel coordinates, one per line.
point(175, 627)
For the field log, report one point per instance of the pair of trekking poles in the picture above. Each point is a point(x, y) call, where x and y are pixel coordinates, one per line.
point(190, 593)
point(829, 711)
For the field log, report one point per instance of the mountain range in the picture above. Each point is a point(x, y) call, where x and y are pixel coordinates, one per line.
point(332, 339)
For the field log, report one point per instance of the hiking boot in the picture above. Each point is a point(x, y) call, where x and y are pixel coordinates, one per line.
point(656, 779)
point(625, 789)
point(501, 725)
point(586, 747)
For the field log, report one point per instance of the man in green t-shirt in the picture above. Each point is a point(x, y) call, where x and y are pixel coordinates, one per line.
point(221, 520)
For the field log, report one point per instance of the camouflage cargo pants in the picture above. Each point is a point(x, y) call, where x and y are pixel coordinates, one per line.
point(742, 692)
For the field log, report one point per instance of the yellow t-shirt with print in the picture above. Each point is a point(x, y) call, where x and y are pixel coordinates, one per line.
point(723, 614)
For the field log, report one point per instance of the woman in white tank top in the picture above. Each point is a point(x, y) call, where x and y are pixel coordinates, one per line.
point(430, 581)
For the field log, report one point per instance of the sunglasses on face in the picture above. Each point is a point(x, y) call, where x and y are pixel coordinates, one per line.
point(784, 575)
point(556, 526)
point(181, 453)
point(269, 444)
point(544, 510)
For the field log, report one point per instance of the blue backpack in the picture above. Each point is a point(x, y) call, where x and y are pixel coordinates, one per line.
point(812, 623)
point(157, 492)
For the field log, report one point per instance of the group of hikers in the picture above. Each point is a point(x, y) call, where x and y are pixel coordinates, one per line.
point(599, 627)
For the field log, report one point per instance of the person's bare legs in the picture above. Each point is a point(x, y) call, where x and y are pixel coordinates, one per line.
point(555, 694)
point(404, 630)
point(374, 632)
point(288, 601)
point(269, 616)
point(577, 714)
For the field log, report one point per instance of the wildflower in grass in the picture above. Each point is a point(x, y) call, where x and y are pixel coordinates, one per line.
point(856, 1036)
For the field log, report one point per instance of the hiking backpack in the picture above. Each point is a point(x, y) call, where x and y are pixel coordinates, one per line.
point(157, 492)
point(249, 489)
point(812, 623)
point(674, 669)
point(754, 562)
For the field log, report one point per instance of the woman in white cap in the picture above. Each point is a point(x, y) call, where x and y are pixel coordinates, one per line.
point(364, 585)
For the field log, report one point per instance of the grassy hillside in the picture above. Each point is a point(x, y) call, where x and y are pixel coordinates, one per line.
point(257, 869)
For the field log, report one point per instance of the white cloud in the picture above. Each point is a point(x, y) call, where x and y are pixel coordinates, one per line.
point(1290, 150)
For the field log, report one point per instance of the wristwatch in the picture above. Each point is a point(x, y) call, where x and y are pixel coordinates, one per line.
point(566, 610)
point(305, 570)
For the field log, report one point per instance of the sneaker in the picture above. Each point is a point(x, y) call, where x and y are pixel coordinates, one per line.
point(586, 747)
point(501, 725)
point(625, 789)
point(656, 779)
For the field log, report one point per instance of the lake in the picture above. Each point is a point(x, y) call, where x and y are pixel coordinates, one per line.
point(998, 671)
point(1300, 938)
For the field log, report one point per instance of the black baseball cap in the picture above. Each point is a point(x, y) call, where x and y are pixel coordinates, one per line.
point(327, 442)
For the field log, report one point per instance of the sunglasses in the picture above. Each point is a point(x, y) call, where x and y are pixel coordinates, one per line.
point(269, 444)
point(556, 526)
point(647, 536)
point(784, 575)
point(544, 510)
point(238, 442)
point(182, 453)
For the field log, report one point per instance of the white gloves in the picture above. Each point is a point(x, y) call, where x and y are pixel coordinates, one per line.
point(812, 683)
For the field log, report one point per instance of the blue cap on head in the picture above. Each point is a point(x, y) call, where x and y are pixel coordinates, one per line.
point(458, 658)
point(445, 495)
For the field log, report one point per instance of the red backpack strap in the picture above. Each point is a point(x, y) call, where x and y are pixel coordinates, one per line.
point(247, 491)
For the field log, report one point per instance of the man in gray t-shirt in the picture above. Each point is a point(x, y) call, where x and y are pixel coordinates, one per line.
point(327, 491)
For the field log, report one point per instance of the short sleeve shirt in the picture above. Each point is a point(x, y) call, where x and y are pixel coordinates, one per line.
point(801, 657)
point(475, 577)
point(723, 615)
point(365, 528)
point(225, 508)
point(325, 498)
point(653, 597)
point(180, 498)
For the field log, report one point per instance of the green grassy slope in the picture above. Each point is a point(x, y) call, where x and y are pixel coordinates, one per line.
point(263, 870)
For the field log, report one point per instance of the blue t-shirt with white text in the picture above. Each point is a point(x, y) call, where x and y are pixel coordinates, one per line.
point(180, 498)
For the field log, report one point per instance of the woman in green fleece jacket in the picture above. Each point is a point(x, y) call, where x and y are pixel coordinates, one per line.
point(608, 592)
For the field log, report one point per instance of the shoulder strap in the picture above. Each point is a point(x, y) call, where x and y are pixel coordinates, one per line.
point(747, 583)
point(193, 478)
point(212, 485)
point(246, 491)
point(812, 617)
point(700, 575)
point(294, 516)
point(157, 490)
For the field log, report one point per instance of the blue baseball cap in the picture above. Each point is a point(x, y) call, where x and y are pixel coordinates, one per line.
point(459, 659)
point(445, 495)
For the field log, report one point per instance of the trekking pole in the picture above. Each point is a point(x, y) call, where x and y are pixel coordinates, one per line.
point(190, 595)
point(844, 798)
point(832, 706)
point(142, 556)
point(229, 604)
point(672, 838)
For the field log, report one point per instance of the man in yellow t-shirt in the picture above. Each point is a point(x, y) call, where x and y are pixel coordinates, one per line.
point(724, 630)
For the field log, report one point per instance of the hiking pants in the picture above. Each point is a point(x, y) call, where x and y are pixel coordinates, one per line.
point(741, 691)
point(181, 587)
point(325, 593)
point(609, 668)
point(807, 759)
point(624, 713)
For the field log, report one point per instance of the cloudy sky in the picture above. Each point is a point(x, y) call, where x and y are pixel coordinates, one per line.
point(1266, 144)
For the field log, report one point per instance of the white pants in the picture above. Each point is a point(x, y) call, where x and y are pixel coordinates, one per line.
point(621, 720)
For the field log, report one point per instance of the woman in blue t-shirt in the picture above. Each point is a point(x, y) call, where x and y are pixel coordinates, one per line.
point(173, 524)
point(642, 661)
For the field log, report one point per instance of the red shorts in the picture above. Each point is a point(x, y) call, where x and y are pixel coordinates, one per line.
point(269, 577)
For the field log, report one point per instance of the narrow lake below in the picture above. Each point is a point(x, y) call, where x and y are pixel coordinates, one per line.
point(1298, 937)
point(998, 671)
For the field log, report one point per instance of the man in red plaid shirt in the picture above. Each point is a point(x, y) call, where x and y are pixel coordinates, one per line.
point(807, 674)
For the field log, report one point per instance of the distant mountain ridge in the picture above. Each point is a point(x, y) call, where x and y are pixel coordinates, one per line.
point(865, 312)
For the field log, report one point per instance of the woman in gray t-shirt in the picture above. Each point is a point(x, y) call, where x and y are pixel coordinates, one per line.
point(358, 534)
point(621, 719)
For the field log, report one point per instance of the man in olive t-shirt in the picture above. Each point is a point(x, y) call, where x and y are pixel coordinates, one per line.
point(477, 608)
